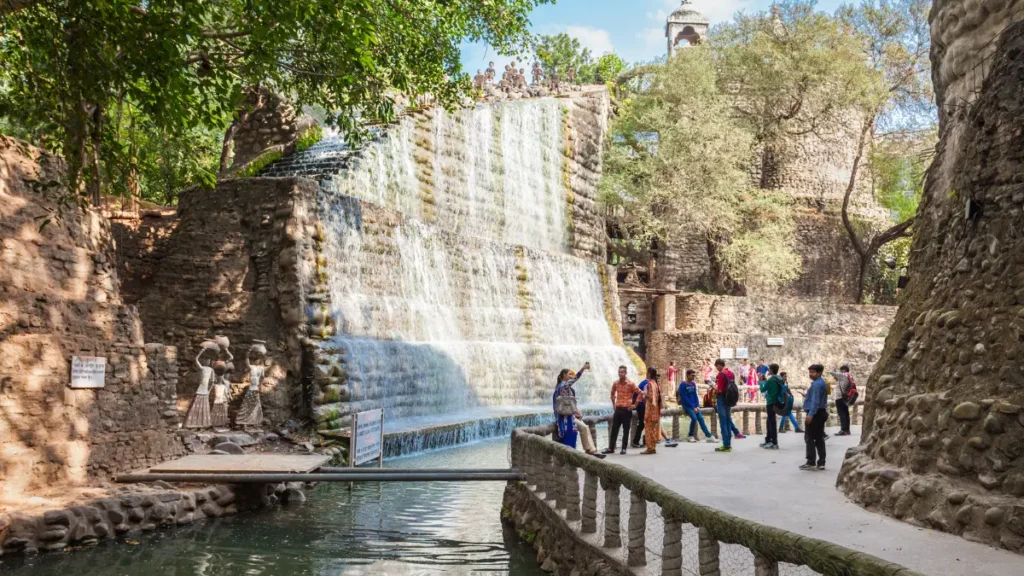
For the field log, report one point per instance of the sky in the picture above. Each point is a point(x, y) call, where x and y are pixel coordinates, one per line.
point(634, 29)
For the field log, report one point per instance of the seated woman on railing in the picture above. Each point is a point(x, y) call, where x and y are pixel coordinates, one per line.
point(568, 420)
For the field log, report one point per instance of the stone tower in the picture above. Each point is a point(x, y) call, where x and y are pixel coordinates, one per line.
point(685, 25)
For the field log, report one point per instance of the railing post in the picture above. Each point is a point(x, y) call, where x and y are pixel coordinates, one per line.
point(672, 549)
point(558, 471)
point(593, 431)
point(612, 531)
point(757, 421)
point(589, 523)
point(708, 554)
point(675, 427)
point(714, 424)
point(637, 551)
point(764, 566)
point(548, 475)
point(746, 423)
point(633, 424)
point(855, 416)
point(572, 492)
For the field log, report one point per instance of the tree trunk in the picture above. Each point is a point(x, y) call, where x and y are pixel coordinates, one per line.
point(865, 266)
point(719, 279)
point(95, 184)
point(225, 149)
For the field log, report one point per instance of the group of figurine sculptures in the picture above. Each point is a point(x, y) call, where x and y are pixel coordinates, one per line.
point(215, 363)
point(515, 78)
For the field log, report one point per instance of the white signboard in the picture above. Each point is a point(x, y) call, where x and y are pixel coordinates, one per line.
point(776, 341)
point(726, 353)
point(88, 372)
point(742, 353)
point(369, 438)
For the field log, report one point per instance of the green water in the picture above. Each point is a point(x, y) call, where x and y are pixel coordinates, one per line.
point(375, 528)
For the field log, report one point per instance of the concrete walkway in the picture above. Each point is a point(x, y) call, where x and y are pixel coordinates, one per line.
point(765, 486)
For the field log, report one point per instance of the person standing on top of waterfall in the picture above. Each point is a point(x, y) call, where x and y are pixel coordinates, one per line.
point(641, 408)
point(652, 413)
point(623, 392)
point(568, 420)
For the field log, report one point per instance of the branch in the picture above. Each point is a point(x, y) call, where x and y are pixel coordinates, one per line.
point(901, 230)
point(858, 245)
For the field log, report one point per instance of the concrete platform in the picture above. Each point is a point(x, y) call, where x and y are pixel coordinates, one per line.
point(765, 486)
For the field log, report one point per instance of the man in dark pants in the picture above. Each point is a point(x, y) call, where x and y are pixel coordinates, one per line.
point(844, 383)
point(771, 388)
point(816, 408)
point(623, 392)
point(641, 408)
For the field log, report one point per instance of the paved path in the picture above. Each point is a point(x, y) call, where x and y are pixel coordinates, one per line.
point(765, 486)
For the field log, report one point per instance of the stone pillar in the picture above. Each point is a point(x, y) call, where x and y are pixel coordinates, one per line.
point(855, 415)
point(757, 421)
point(633, 423)
point(746, 423)
point(708, 554)
point(675, 427)
point(612, 530)
point(764, 566)
point(637, 551)
point(572, 492)
point(550, 487)
point(558, 470)
point(714, 424)
point(672, 549)
point(589, 524)
point(593, 431)
point(665, 312)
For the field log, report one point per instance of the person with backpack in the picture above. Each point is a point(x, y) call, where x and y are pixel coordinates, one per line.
point(787, 415)
point(568, 420)
point(688, 399)
point(816, 408)
point(846, 390)
point(641, 407)
point(772, 390)
point(727, 396)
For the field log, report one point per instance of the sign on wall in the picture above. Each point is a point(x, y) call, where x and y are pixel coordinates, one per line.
point(88, 371)
point(776, 341)
point(726, 353)
point(368, 436)
point(742, 353)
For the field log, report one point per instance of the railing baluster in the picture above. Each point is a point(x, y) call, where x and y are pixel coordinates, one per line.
point(550, 485)
point(593, 431)
point(764, 566)
point(714, 424)
point(637, 551)
point(708, 554)
point(675, 427)
point(572, 492)
point(672, 549)
point(757, 421)
point(589, 524)
point(558, 482)
point(612, 530)
point(746, 423)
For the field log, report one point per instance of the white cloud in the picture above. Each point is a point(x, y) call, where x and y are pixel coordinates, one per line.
point(653, 38)
point(598, 41)
point(721, 10)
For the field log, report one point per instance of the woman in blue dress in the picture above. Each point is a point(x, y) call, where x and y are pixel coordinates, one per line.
point(571, 426)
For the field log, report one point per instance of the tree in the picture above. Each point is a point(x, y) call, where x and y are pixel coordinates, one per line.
point(559, 52)
point(608, 68)
point(70, 66)
point(895, 40)
point(677, 162)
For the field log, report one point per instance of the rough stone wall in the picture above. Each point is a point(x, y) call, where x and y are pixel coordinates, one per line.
point(142, 245)
point(944, 440)
point(272, 128)
point(235, 265)
point(644, 323)
point(59, 297)
point(814, 332)
point(587, 125)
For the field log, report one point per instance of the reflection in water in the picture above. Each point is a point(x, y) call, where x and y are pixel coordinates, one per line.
point(374, 528)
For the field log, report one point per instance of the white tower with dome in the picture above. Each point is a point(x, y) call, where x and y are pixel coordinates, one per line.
point(685, 26)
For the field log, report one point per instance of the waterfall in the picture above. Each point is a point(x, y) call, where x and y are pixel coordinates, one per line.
point(451, 279)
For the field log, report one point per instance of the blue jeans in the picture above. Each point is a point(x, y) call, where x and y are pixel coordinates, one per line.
point(792, 420)
point(725, 421)
point(696, 417)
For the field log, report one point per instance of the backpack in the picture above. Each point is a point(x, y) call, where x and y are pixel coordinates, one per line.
point(852, 394)
point(732, 394)
point(709, 398)
point(784, 402)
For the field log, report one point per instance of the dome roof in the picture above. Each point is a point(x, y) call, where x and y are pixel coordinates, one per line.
point(687, 15)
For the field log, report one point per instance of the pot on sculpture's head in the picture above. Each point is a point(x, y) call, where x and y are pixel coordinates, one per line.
point(209, 345)
point(222, 341)
point(258, 348)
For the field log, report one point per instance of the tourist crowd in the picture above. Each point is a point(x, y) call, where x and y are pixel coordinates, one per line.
point(724, 388)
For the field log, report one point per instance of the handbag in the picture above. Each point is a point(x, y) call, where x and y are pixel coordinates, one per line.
point(565, 406)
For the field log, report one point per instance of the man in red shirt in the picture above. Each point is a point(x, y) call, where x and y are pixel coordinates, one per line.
point(670, 374)
point(722, 380)
point(623, 391)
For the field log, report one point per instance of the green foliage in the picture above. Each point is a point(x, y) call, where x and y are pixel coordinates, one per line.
point(186, 65)
point(898, 170)
point(608, 68)
point(309, 136)
point(559, 52)
point(677, 164)
point(257, 164)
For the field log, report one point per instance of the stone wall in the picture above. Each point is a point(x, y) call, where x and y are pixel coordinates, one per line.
point(59, 297)
point(943, 445)
point(814, 332)
point(235, 264)
point(270, 131)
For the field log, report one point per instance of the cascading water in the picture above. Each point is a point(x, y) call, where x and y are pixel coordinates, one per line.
point(450, 274)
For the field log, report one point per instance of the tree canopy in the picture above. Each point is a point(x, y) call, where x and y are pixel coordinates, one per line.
point(72, 67)
point(559, 52)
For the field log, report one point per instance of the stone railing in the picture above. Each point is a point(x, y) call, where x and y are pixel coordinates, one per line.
point(664, 532)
